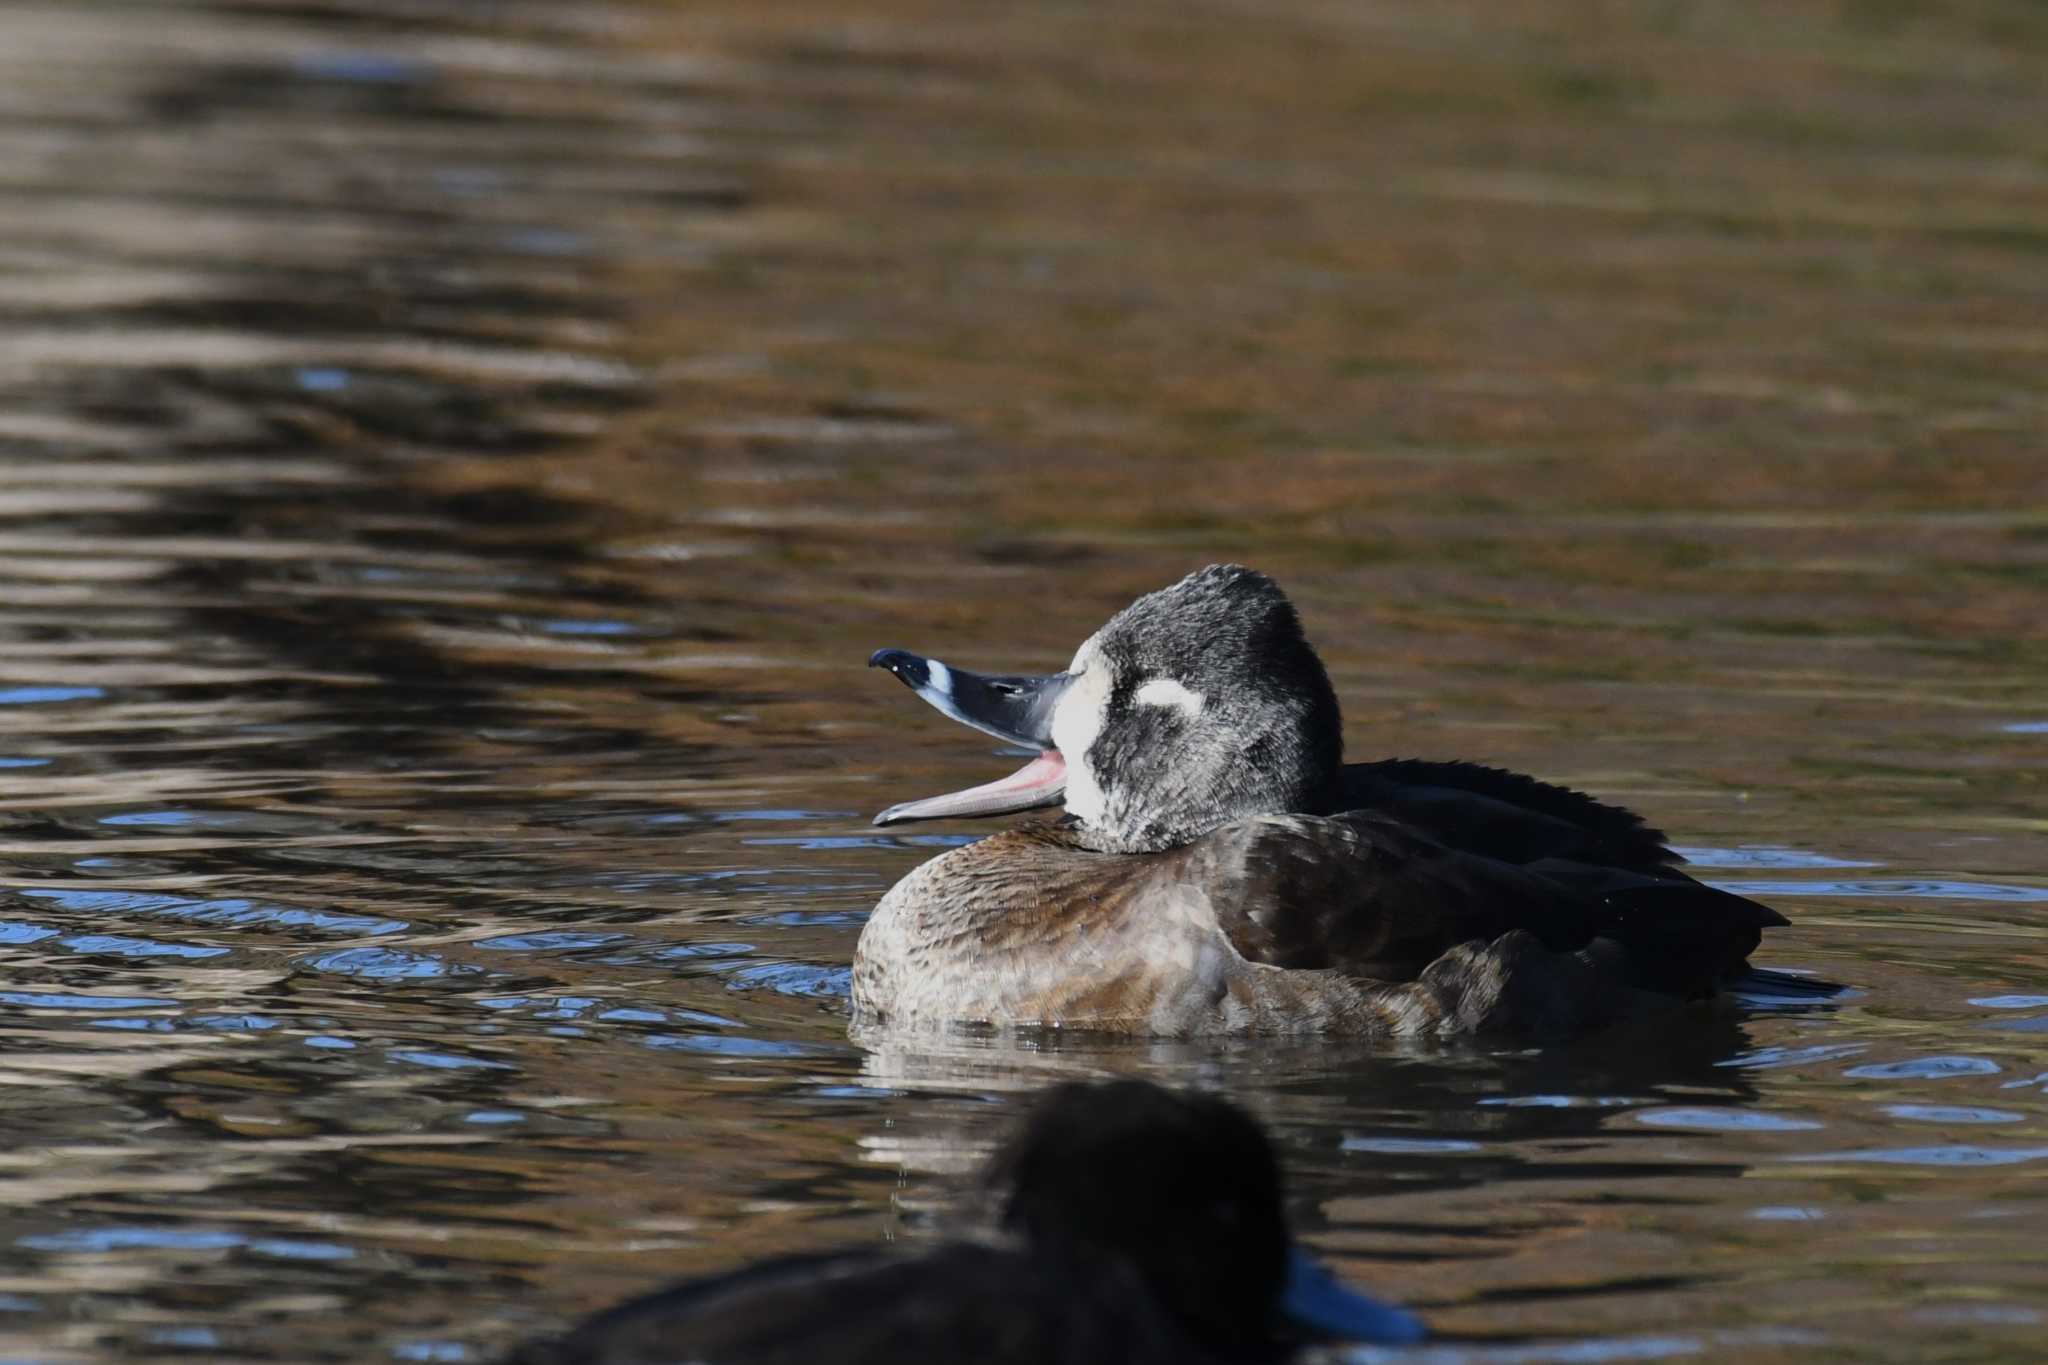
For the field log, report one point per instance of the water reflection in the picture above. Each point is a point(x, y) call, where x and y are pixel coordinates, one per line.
point(453, 463)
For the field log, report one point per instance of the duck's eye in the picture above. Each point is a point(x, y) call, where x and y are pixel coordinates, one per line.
point(1008, 689)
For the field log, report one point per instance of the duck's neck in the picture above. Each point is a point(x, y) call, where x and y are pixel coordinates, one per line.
point(1133, 831)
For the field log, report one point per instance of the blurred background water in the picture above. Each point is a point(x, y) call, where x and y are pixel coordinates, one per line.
point(455, 459)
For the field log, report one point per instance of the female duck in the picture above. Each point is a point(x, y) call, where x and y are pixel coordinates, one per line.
point(1220, 869)
point(1137, 1226)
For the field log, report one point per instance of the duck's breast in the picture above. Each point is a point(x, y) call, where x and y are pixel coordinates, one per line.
point(1027, 928)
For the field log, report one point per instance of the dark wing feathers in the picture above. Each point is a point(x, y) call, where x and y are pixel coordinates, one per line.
point(1368, 895)
point(1434, 855)
point(1681, 937)
point(958, 1302)
point(1505, 815)
point(636, 1329)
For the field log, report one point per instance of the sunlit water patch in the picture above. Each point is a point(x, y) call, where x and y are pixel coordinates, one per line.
point(1765, 855)
point(1724, 1120)
point(1889, 889)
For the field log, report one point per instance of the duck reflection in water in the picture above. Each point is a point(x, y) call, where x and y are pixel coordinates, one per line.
point(1220, 869)
point(1136, 1225)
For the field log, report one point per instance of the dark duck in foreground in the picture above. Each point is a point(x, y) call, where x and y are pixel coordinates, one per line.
point(1137, 1226)
point(1221, 869)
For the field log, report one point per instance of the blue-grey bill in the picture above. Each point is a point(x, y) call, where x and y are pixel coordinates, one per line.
point(1017, 708)
point(1318, 1301)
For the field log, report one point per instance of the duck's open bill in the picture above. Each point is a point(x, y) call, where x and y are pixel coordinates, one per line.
point(1015, 708)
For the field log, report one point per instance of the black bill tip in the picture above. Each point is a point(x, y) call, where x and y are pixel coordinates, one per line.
point(908, 668)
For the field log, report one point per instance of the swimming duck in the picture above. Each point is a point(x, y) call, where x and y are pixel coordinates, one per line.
point(1220, 869)
point(1137, 1226)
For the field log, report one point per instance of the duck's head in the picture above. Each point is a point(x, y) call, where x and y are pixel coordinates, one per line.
point(1184, 1189)
point(1196, 705)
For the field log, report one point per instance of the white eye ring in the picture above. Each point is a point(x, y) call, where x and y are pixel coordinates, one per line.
point(1167, 692)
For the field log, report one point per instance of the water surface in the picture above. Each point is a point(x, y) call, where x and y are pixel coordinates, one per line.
point(454, 462)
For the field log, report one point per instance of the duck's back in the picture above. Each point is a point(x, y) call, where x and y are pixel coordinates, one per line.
point(961, 1302)
point(1505, 815)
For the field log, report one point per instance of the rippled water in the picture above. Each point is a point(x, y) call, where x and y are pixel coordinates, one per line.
point(454, 462)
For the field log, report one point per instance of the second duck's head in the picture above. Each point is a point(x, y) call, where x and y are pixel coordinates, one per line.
point(1184, 1189)
point(1196, 705)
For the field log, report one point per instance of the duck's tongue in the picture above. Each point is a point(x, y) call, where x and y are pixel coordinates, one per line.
point(1041, 782)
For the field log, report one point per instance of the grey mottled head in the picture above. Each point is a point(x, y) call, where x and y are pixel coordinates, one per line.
point(1195, 706)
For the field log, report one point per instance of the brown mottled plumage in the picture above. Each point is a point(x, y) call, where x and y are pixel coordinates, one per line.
point(1281, 924)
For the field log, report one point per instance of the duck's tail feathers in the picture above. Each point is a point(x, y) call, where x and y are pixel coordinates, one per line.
point(1762, 986)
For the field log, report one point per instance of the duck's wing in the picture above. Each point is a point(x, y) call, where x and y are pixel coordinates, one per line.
point(1680, 933)
point(959, 1302)
point(1372, 896)
point(1506, 815)
point(1366, 894)
point(1681, 937)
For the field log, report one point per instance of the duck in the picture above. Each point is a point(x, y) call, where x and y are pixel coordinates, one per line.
point(1217, 867)
point(1136, 1225)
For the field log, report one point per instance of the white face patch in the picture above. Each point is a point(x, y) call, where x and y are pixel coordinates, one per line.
point(1076, 721)
point(1167, 692)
